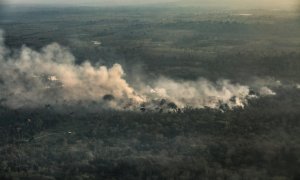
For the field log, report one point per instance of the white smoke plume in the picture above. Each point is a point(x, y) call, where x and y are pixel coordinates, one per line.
point(32, 79)
point(265, 91)
point(201, 93)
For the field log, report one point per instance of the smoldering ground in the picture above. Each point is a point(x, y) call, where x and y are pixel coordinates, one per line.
point(50, 76)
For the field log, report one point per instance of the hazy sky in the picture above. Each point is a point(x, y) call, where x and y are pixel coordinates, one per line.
point(228, 3)
point(85, 1)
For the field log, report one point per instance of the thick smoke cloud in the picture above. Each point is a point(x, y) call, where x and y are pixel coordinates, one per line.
point(51, 77)
point(32, 78)
point(201, 93)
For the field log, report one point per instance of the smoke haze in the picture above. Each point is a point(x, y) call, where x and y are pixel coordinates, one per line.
point(31, 79)
point(288, 4)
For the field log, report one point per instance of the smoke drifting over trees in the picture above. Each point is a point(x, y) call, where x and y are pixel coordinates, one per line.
point(51, 76)
point(31, 78)
point(195, 93)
